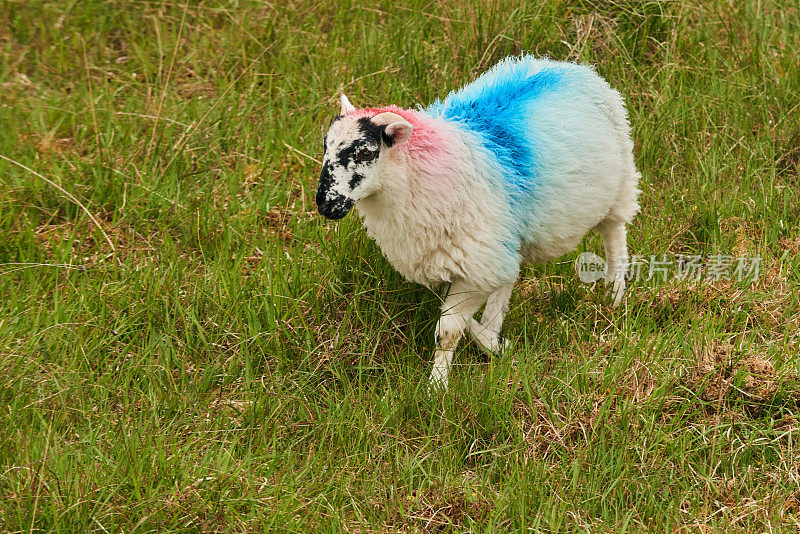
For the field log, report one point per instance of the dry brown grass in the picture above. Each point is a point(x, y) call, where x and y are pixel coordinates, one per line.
point(547, 436)
point(736, 382)
point(88, 250)
point(445, 508)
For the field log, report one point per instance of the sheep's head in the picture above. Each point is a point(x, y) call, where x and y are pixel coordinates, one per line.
point(356, 146)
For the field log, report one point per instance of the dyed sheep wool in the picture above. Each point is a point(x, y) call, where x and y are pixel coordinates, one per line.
point(515, 167)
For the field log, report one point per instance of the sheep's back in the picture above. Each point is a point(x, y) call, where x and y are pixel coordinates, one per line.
point(554, 137)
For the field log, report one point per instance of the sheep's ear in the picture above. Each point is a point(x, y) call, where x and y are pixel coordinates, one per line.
point(347, 107)
point(397, 132)
point(396, 129)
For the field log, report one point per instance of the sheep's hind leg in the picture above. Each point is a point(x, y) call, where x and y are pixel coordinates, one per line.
point(487, 331)
point(459, 306)
point(614, 236)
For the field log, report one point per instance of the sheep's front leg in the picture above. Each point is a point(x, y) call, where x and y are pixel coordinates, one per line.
point(459, 306)
point(487, 331)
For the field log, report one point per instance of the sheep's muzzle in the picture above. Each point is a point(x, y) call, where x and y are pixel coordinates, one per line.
point(331, 205)
point(335, 209)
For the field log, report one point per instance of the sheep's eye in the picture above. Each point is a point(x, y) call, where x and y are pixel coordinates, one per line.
point(365, 155)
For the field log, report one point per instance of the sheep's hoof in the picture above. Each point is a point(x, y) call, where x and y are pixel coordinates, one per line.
point(495, 345)
point(492, 343)
point(617, 294)
point(503, 345)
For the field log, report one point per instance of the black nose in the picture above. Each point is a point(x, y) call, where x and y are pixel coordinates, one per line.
point(331, 205)
point(335, 211)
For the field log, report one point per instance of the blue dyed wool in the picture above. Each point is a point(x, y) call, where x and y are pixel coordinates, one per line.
point(495, 108)
point(502, 108)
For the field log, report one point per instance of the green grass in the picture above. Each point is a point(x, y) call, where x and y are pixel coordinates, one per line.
point(205, 353)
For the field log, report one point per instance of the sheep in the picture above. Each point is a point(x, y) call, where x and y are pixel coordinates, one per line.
point(515, 167)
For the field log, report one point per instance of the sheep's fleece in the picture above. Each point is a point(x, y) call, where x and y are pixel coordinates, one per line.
point(515, 167)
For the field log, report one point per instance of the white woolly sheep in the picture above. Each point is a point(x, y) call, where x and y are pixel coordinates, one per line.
point(515, 167)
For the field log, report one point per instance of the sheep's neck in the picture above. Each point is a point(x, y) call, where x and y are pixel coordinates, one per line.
point(390, 205)
point(407, 218)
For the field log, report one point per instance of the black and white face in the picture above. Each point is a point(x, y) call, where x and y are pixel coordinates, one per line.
point(350, 164)
point(357, 147)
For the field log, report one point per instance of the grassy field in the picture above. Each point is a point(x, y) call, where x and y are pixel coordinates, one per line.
point(185, 345)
